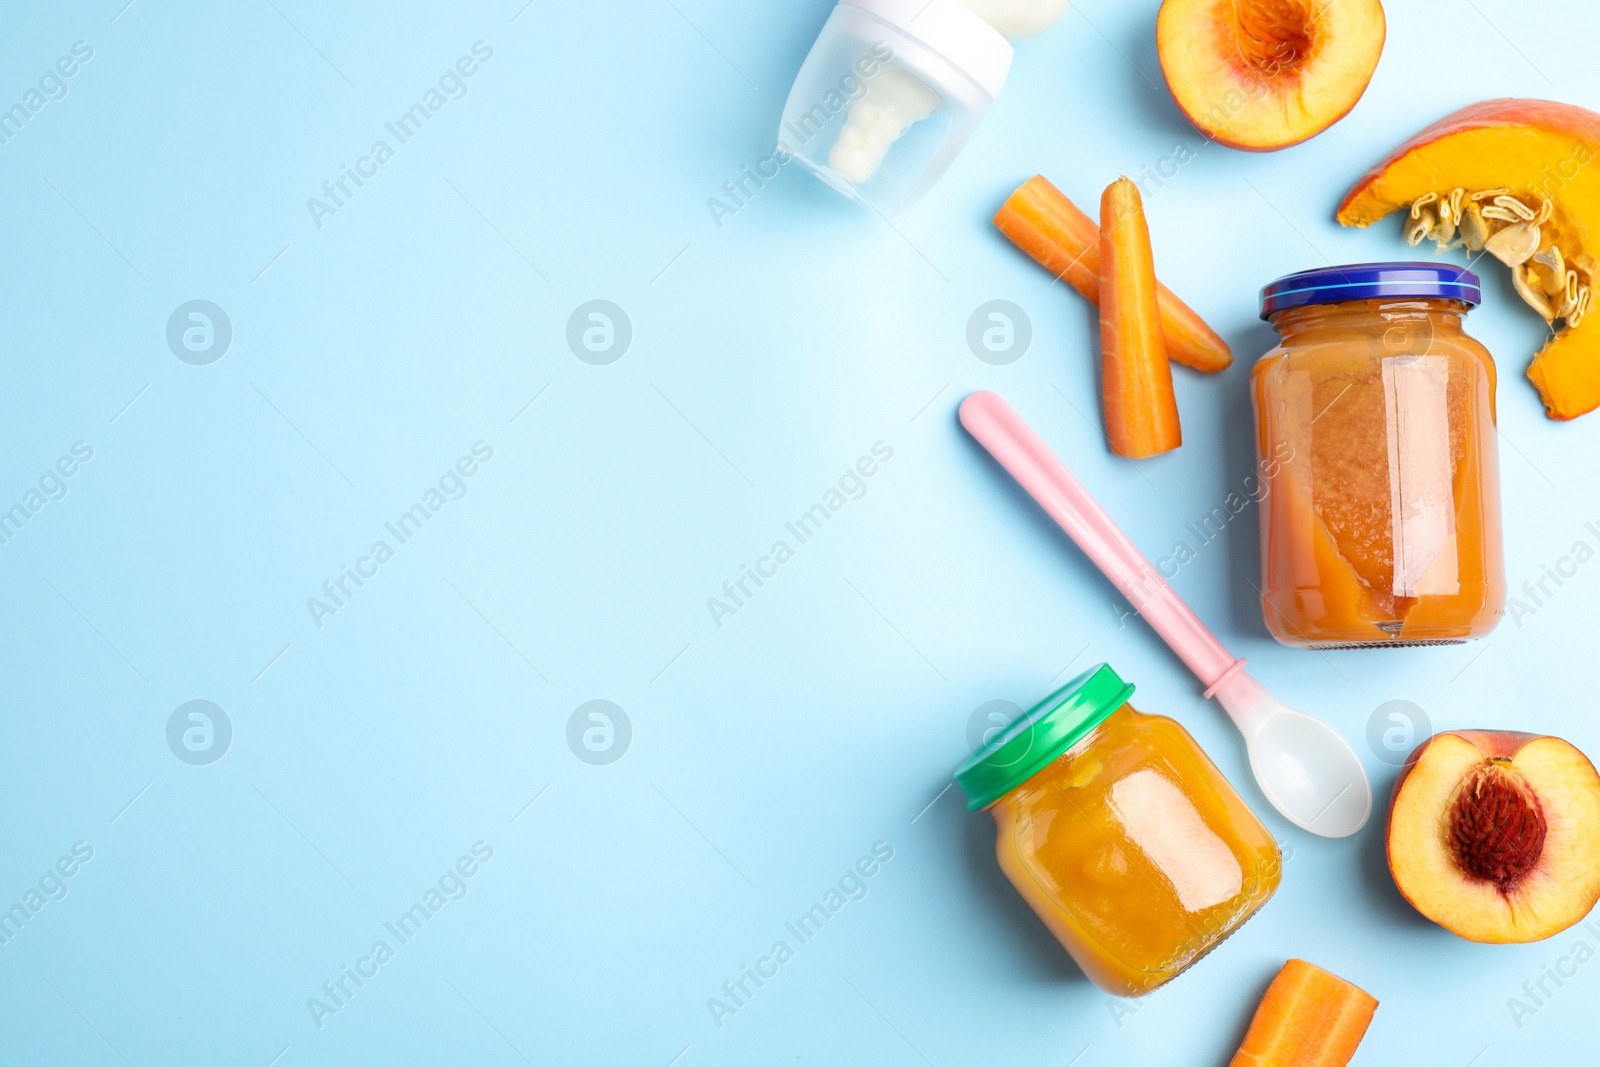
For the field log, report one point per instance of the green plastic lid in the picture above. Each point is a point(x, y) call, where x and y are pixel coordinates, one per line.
point(1040, 734)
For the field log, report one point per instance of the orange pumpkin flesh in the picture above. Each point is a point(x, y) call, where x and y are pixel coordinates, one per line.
point(1539, 152)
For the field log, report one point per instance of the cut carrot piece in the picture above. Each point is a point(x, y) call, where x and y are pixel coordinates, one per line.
point(1066, 242)
point(1309, 1018)
point(1135, 377)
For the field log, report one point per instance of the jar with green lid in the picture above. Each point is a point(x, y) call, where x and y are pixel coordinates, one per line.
point(1120, 833)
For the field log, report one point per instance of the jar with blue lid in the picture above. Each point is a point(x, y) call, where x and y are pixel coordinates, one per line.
point(1376, 440)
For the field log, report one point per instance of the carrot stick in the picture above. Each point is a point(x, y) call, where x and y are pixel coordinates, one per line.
point(1308, 1018)
point(1135, 378)
point(1065, 241)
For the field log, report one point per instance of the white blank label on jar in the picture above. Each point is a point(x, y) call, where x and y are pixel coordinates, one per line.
point(1163, 823)
point(1421, 484)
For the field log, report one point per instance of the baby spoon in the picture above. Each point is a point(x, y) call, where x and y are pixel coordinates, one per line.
point(1304, 767)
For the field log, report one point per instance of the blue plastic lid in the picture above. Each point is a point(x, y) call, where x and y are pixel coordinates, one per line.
point(1368, 281)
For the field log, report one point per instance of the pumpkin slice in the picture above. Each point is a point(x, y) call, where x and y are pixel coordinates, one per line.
point(1511, 178)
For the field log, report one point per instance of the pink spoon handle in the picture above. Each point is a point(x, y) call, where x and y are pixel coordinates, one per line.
point(1019, 450)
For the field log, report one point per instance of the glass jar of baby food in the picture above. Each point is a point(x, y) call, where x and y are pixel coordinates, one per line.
point(1375, 430)
point(1120, 833)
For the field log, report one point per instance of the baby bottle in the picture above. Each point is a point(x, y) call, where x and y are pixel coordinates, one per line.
point(893, 88)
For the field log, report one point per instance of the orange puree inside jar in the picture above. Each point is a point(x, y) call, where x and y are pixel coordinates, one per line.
point(1127, 842)
point(1380, 516)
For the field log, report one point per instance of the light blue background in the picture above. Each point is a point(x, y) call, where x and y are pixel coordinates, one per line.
point(768, 354)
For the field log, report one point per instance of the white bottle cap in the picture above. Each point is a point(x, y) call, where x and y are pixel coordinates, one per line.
point(956, 33)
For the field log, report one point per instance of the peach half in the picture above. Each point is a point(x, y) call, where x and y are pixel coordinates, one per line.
point(1514, 178)
point(1266, 74)
point(1496, 835)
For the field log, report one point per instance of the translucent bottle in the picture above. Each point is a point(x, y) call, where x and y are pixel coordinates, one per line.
point(892, 89)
